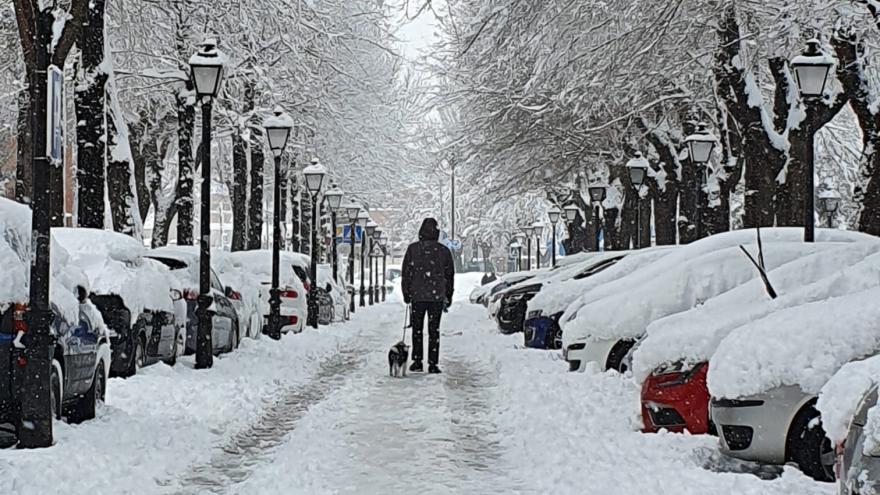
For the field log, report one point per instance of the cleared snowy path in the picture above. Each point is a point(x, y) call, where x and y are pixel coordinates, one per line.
point(317, 414)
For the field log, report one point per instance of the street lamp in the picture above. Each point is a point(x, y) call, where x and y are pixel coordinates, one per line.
point(829, 201)
point(206, 71)
point(277, 128)
point(376, 235)
point(334, 201)
point(370, 230)
point(597, 196)
point(554, 213)
point(383, 243)
point(638, 170)
point(362, 218)
point(352, 209)
point(314, 177)
point(811, 73)
point(520, 237)
point(700, 145)
point(528, 231)
point(537, 230)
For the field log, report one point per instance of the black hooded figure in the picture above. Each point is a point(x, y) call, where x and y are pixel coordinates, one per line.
point(427, 281)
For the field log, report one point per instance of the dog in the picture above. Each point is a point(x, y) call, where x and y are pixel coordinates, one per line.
point(398, 356)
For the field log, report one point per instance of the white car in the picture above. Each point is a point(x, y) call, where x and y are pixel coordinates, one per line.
point(603, 326)
point(294, 284)
point(336, 290)
point(765, 376)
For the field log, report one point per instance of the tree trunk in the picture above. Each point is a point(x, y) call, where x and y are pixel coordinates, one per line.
point(255, 206)
point(239, 193)
point(295, 212)
point(120, 170)
point(284, 198)
point(664, 183)
point(186, 121)
point(613, 240)
point(24, 179)
point(91, 132)
point(305, 223)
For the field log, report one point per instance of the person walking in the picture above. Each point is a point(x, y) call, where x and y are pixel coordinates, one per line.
point(427, 282)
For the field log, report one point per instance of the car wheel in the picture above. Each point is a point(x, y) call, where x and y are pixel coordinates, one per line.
point(808, 445)
point(556, 343)
point(84, 407)
point(56, 392)
point(617, 355)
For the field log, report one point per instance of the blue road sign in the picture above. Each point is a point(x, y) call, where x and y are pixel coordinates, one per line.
point(343, 234)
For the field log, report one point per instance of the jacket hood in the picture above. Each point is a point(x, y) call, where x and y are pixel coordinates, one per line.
point(429, 230)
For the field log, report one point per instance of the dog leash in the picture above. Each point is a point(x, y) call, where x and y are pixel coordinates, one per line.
point(407, 317)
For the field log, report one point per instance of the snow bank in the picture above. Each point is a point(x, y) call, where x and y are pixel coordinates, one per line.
point(804, 345)
point(556, 297)
point(682, 280)
point(840, 397)
point(15, 256)
point(692, 336)
point(115, 265)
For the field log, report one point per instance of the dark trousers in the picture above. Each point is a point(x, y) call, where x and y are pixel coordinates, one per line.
point(434, 311)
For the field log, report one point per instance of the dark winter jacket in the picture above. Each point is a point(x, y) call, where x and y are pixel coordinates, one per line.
point(428, 272)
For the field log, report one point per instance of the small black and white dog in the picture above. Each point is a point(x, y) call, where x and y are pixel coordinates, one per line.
point(397, 358)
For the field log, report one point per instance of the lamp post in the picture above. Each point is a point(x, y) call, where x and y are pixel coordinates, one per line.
point(362, 219)
point(811, 73)
point(352, 209)
point(829, 201)
point(520, 237)
point(597, 196)
point(537, 230)
point(528, 231)
point(383, 243)
point(370, 230)
point(638, 170)
point(700, 146)
point(554, 213)
point(206, 70)
point(334, 201)
point(571, 212)
point(377, 234)
point(314, 176)
point(277, 128)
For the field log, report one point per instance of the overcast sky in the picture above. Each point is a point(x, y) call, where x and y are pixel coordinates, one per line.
point(417, 35)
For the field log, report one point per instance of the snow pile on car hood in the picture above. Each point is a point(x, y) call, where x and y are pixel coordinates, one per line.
point(556, 297)
point(15, 242)
point(115, 265)
point(259, 263)
point(692, 336)
point(802, 345)
point(840, 397)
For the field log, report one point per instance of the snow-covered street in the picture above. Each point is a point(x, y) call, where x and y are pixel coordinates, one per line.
point(318, 414)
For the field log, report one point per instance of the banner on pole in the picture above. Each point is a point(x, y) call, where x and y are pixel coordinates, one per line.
point(55, 114)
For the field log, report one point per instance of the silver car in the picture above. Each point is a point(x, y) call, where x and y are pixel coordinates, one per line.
point(859, 471)
point(776, 427)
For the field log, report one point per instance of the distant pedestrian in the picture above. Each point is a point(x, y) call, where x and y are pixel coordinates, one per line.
point(427, 282)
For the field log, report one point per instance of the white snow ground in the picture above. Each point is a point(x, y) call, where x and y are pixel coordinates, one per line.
point(317, 414)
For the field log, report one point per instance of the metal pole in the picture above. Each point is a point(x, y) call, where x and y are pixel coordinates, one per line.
point(453, 200)
point(370, 258)
point(638, 221)
point(313, 303)
point(384, 269)
point(351, 265)
point(204, 346)
point(335, 253)
point(698, 222)
point(537, 252)
point(599, 229)
point(363, 289)
point(376, 263)
point(830, 220)
point(35, 426)
point(809, 206)
point(528, 253)
point(274, 294)
point(554, 244)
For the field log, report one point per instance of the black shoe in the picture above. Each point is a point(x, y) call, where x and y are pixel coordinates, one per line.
point(433, 369)
point(416, 367)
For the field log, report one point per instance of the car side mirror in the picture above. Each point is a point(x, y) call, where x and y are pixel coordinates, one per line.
point(176, 295)
point(329, 288)
point(81, 294)
point(228, 292)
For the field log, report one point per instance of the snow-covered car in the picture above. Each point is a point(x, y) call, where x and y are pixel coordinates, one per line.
point(246, 294)
point(671, 362)
point(514, 300)
point(294, 284)
point(604, 324)
point(139, 300)
point(542, 329)
point(847, 404)
point(80, 363)
point(183, 261)
point(336, 290)
point(484, 294)
point(765, 376)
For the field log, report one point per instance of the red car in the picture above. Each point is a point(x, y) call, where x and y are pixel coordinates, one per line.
point(676, 399)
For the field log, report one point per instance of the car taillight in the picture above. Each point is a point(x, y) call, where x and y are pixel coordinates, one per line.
point(235, 296)
point(838, 465)
point(307, 285)
point(21, 362)
point(292, 319)
point(190, 294)
point(289, 293)
point(19, 318)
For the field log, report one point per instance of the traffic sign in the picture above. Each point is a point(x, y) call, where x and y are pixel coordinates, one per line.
point(55, 114)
